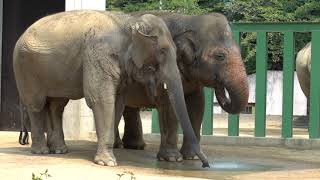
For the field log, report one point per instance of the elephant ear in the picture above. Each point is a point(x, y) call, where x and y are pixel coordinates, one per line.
point(186, 46)
point(143, 45)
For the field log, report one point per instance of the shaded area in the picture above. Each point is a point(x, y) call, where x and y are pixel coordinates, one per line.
point(17, 17)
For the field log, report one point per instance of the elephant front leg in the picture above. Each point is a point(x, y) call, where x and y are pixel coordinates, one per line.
point(104, 114)
point(168, 128)
point(195, 106)
point(133, 134)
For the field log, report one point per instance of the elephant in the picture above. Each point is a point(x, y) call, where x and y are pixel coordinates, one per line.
point(303, 67)
point(95, 55)
point(206, 56)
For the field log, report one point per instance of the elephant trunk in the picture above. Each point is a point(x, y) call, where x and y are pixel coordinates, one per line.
point(236, 84)
point(173, 84)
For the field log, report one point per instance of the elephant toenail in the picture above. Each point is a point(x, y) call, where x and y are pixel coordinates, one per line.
point(111, 163)
point(179, 159)
point(101, 163)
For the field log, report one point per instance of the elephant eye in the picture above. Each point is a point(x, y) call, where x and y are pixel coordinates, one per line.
point(220, 56)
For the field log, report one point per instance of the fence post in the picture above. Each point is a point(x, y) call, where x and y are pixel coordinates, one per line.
point(314, 124)
point(288, 74)
point(233, 120)
point(207, 122)
point(261, 81)
point(155, 122)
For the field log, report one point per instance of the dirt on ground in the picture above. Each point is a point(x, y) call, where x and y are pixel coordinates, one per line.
point(227, 162)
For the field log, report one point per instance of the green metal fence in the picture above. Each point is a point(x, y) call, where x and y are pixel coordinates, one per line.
point(288, 29)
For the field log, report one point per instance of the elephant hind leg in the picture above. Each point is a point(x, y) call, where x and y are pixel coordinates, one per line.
point(55, 134)
point(133, 134)
point(37, 119)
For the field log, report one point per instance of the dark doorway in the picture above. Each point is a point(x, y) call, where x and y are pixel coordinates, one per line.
point(17, 16)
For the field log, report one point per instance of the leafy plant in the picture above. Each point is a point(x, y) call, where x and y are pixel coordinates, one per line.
point(131, 174)
point(45, 174)
point(271, 11)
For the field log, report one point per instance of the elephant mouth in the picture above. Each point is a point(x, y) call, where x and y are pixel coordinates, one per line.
point(222, 96)
point(231, 99)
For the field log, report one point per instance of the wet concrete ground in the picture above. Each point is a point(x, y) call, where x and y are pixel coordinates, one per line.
point(227, 162)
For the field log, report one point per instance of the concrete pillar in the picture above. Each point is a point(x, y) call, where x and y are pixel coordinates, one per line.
point(78, 120)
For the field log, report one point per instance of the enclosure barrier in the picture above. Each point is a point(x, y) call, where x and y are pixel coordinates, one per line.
point(288, 29)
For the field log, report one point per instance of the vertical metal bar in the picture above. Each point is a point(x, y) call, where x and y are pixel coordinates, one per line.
point(261, 83)
point(288, 75)
point(180, 129)
point(155, 122)
point(207, 122)
point(233, 120)
point(314, 124)
point(233, 125)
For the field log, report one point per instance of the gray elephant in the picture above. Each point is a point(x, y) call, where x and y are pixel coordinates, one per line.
point(303, 67)
point(206, 56)
point(96, 55)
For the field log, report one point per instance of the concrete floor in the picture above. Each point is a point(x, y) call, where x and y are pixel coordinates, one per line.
point(227, 162)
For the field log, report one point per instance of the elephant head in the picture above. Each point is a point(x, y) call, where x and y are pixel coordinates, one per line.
point(208, 54)
point(153, 54)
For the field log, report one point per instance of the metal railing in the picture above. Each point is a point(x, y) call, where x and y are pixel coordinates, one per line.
point(288, 29)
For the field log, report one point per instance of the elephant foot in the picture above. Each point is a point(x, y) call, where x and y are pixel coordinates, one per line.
point(118, 143)
point(105, 158)
point(39, 149)
point(169, 154)
point(58, 149)
point(133, 143)
point(57, 144)
point(301, 122)
point(188, 153)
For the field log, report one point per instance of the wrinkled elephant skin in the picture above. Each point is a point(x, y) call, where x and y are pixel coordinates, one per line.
point(95, 55)
point(207, 56)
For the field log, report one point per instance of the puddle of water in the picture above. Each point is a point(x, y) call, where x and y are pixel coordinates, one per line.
point(221, 164)
point(238, 166)
point(216, 165)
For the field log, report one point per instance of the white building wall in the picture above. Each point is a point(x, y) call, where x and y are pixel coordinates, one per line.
point(85, 4)
point(77, 116)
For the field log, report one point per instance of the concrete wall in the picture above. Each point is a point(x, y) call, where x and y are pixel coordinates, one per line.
point(77, 116)
point(274, 94)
